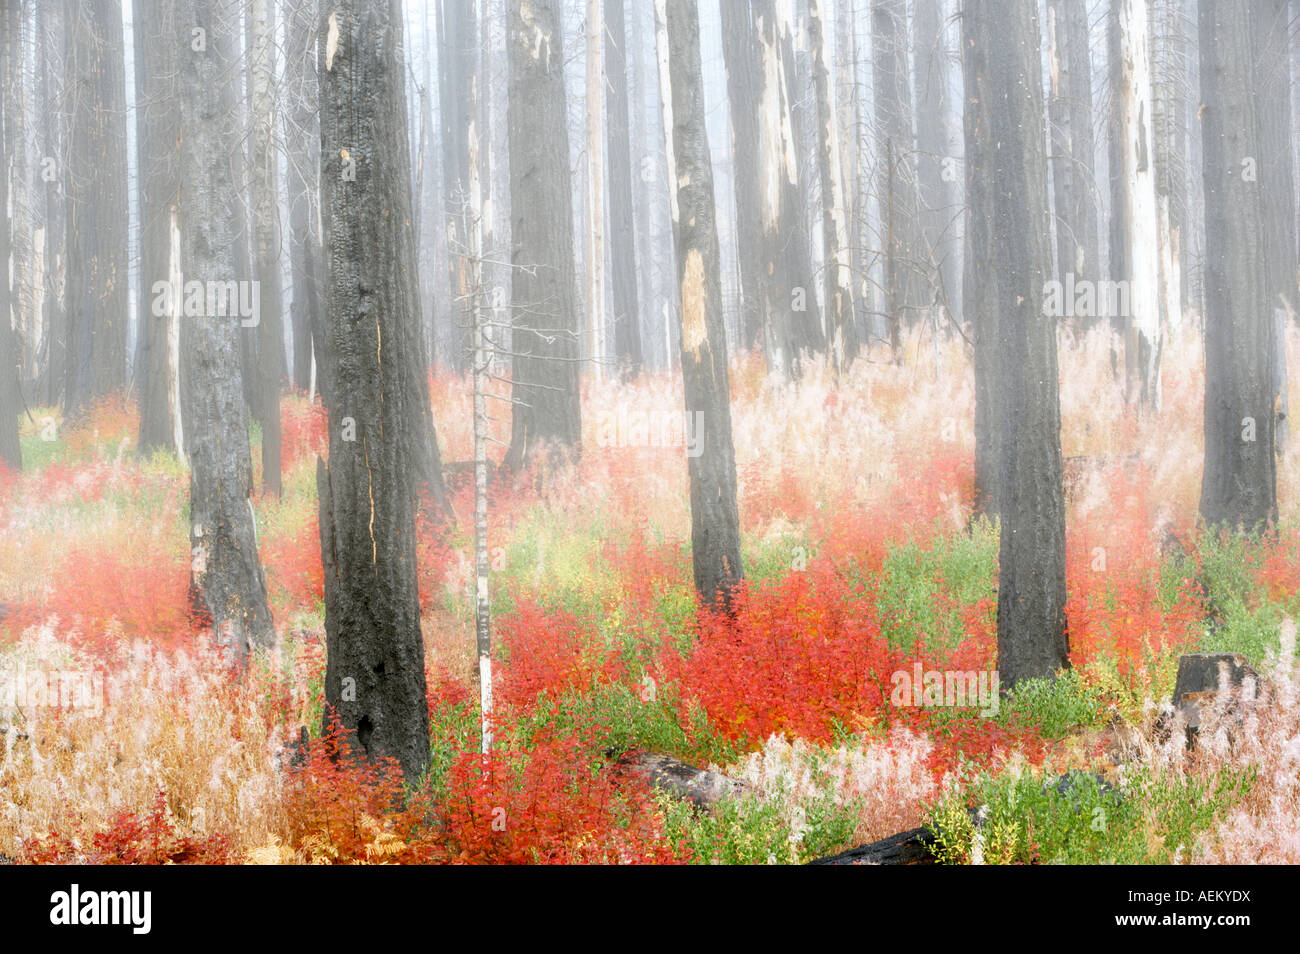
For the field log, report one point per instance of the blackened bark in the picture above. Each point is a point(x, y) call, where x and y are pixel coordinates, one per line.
point(374, 679)
point(266, 213)
point(226, 576)
point(837, 272)
point(622, 240)
point(303, 181)
point(1239, 486)
point(937, 191)
point(52, 347)
point(1007, 190)
point(1070, 114)
point(785, 267)
point(10, 400)
point(97, 203)
point(740, 52)
point(715, 521)
point(457, 59)
point(1273, 95)
point(545, 338)
point(897, 190)
point(158, 161)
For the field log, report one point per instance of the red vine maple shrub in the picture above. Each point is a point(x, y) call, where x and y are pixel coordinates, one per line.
point(110, 423)
point(797, 657)
point(303, 431)
point(141, 584)
point(1114, 608)
point(131, 839)
point(342, 810)
point(550, 804)
point(550, 651)
point(295, 576)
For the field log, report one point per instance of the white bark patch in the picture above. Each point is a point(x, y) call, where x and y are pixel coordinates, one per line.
point(694, 331)
point(332, 41)
point(776, 138)
point(1138, 175)
point(485, 697)
point(540, 43)
point(666, 96)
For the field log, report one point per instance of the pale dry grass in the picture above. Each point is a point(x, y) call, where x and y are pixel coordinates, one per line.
point(885, 782)
point(170, 722)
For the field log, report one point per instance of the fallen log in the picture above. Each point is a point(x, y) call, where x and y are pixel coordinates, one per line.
point(906, 848)
point(702, 788)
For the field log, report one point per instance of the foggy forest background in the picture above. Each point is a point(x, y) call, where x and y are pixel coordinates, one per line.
point(618, 427)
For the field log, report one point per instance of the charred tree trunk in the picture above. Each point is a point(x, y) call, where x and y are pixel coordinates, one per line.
point(457, 55)
point(1070, 113)
point(897, 189)
point(1134, 197)
point(1273, 93)
point(622, 245)
point(303, 181)
point(938, 198)
point(53, 341)
point(11, 455)
point(158, 151)
point(740, 52)
point(785, 268)
point(594, 240)
point(374, 680)
point(838, 271)
point(266, 212)
point(226, 579)
point(1239, 486)
point(546, 326)
point(1016, 342)
point(1169, 126)
point(97, 203)
point(715, 521)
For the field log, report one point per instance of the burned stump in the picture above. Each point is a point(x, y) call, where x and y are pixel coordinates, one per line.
point(1197, 684)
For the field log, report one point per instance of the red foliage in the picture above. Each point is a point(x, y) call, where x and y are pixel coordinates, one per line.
point(132, 840)
point(549, 650)
point(338, 805)
point(549, 805)
point(295, 578)
point(798, 656)
point(1113, 605)
point(109, 421)
point(303, 431)
point(143, 586)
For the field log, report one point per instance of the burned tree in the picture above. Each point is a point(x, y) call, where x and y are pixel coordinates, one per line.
point(10, 399)
point(1069, 106)
point(96, 229)
point(545, 336)
point(1239, 485)
point(1135, 243)
point(374, 678)
point(775, 260)
point(227, 583)
point(302, 144)
point(157, 371)
point(897, 190)
point(838, 280)
point(1017, 409)
point(715, 521)
point(265, 160)
point(626, 316)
